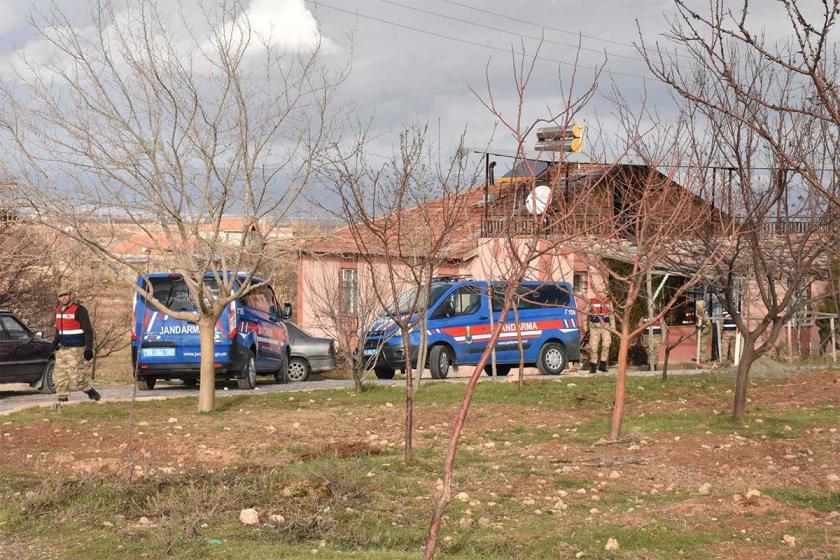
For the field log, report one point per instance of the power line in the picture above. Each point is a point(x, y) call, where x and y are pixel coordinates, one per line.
point(542, 26)
point(318, 3)
point(514, 33)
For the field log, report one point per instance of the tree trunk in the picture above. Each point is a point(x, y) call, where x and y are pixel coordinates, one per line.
point(409, 399)
point(207, 375)
point(618, 407)
point(521, 380)
point(665, 362)
point(742, 375)
point(358, 372)
point(423, 350)
point(452, 449)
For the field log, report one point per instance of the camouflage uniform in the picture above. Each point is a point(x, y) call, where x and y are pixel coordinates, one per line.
point(74, 346)
point(600, 315)
point(71, 372)
point(704, 331)
point(730, 330)
point(655, 335)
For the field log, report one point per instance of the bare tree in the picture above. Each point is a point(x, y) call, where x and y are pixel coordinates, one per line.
point(522, 236)
point(403, 217)
point(348, 322)
point(132, 121)
point(29, 275)
point(769, 111)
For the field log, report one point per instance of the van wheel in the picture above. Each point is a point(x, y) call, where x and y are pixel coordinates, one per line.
point(247, 380)
point(384, 373)
point(501, 369)
point(47, 379)
point(282, 374)
point(146, 383)
point(552, 360)
point(440, 358)
point(299, 370)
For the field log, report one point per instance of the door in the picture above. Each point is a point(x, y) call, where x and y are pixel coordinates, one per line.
point(271, 336)
point(7, 352)
point(462, 316)
point(24, 361)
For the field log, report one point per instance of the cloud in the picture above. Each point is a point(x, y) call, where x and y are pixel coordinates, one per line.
point(9, 15)
point(285, 24)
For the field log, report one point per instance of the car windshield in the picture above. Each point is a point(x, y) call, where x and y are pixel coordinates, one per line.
point(406, 299)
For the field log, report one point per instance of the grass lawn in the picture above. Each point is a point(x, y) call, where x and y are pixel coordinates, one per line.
point(325, 471)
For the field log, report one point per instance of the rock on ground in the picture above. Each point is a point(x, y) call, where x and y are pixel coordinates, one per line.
point(249, 516)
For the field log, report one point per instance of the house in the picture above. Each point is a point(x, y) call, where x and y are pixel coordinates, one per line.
point(333, 282)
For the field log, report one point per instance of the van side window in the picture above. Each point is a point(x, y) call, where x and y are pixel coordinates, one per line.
point(259, 298)
point(541, 297)
point(498, 293)
point(461, 302)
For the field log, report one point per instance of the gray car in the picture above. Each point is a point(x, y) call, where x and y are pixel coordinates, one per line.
point(310, 354)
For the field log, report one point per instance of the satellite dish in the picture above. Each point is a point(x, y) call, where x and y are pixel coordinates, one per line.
point(538, 200)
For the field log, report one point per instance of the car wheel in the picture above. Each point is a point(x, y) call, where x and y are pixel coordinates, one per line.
point(440, 358)
point(248, 378)
point(298, 370)
point(282, 374)
point(384, 373)
point(146, 382)
point(501, 369)
point(552, 360)
point(48, 379)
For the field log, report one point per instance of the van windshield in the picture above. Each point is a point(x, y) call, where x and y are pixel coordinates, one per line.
point(406, 299)
point(172, 292)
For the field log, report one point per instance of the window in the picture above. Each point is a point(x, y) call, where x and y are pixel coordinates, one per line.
point(580, 283)
point(461, 302)
point(15, 330)
point(533, 297)
point(540, 297)
point(348, 290)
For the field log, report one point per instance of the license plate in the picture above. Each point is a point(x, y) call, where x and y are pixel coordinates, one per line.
point(369, 352)
point(158, 352)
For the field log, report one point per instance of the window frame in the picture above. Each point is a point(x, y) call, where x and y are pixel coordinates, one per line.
point(348, 291)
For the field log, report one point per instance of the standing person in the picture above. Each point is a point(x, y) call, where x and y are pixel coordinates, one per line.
point(74, 346)
point(729, 329)
point(704, 330)
point(655, 335)
point(600, 316)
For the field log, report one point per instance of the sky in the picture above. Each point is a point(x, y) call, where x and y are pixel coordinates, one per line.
point(423, 61)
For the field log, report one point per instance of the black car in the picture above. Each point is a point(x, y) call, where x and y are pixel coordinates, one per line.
point(25, 357)
point(309, 354)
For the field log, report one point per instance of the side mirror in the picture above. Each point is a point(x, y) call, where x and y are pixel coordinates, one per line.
point(287, 310)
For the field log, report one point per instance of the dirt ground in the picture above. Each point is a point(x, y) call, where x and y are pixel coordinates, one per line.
point(767, 489)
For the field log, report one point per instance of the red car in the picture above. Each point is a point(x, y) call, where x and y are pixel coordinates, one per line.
point(25, 357)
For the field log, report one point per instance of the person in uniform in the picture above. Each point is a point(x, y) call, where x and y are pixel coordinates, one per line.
point(729, 329)
point(600, 317)
point(704, 330)
point(74, 346)
point(655, 335)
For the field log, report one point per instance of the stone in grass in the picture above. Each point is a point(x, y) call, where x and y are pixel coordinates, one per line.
point(752, 496)
point(277, 519)
point(789, 540)
point(705, 489)
point(611, 545)
point(249, 516)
